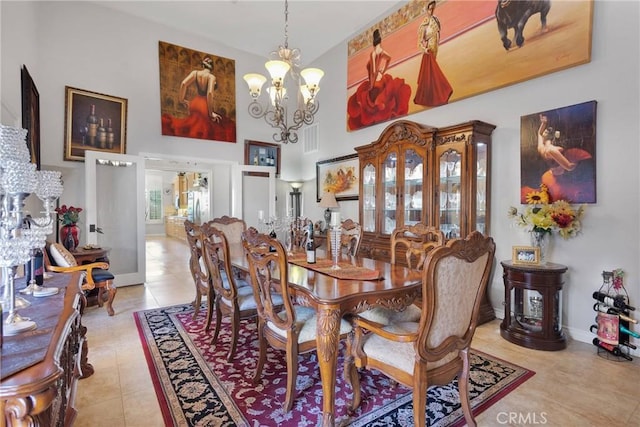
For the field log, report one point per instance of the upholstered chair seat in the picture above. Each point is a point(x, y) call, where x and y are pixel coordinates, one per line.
point(307, 323)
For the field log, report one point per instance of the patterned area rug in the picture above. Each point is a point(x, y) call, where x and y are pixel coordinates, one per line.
point(195, 384)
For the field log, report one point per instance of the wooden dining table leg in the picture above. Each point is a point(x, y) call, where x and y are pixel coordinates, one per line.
point(328, 340)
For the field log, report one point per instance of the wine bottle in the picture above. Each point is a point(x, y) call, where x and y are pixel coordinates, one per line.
point(102, 135)
point(613, 349)
point(111, 136)
point(610, 310)
point(616, 302)
point(92, 126)
point(627, 344)
point(629, 332)
point(310, 247)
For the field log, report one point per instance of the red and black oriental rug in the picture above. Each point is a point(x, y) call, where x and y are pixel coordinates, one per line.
point(196, 386)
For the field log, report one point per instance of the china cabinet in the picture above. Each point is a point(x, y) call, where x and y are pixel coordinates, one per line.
point(418, 173)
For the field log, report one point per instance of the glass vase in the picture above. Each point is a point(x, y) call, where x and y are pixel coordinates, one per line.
point(69, 236)
point(540, 239)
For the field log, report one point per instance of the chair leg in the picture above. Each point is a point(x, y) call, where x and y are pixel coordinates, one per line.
point(210, 304)
point(235, 326)
point(216, 327)
point(196, 304)
point(420, 386)
point(111, 294)
point(262, 354)
point(292, 374)
point(463, 389)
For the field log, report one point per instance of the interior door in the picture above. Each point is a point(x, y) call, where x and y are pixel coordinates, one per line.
point(251, 194)
point(114, 200)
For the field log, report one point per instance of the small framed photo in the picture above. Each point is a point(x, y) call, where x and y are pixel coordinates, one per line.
point(525, 255)
point(339, 176)
point(93, 121)
point(261, 154)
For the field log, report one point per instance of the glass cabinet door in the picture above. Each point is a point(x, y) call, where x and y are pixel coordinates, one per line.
point(450, 193)
point(481, 187)
point(369, 194)
point(389, 191)
point(413, 191)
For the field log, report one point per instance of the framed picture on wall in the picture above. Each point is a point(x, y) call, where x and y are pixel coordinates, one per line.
point(93, 121)
point(558, 149)
point(340, 176)
point(258, 153)
point(31, 115)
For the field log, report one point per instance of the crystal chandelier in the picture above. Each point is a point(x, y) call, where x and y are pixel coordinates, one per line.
point(275, 112)
point(20, 233)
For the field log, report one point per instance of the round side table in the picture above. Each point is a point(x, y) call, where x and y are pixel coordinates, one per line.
point(533, 305)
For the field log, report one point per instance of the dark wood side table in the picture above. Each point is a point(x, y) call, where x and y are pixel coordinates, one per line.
point(533, 305)
point(87, 256)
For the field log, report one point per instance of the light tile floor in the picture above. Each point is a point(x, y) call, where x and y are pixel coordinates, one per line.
point(573, 387)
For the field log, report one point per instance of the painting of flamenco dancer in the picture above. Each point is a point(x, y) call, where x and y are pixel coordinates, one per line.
point(558, 149)
point(437, 52)
point(197, 94)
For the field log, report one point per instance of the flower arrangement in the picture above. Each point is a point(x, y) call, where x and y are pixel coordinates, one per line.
point(68, 215)
point(541, 216)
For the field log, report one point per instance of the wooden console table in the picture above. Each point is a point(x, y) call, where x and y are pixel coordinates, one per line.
point(86, 256)
point(533, 305)
point(40, 368)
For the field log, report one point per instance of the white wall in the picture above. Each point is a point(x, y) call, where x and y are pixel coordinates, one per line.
point(83, 45)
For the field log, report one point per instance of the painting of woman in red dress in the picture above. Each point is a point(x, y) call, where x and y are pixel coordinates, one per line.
point(207, 115)
point(433, 87)
point(380, 97)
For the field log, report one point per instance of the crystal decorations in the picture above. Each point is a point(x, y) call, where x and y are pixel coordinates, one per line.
point(21, 234)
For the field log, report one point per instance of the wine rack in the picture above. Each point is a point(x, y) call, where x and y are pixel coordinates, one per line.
point(613, 318)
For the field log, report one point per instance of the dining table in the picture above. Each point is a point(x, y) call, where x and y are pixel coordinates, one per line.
point(358, 285)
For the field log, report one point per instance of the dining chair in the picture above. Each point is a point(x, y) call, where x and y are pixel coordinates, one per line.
point(97, 275)
point(435, 350)
point(232, 227)
point(300, 232)
point(293, 327)
point(416, 241)
point(234, 297)
point(199, 270)
point(350, 237)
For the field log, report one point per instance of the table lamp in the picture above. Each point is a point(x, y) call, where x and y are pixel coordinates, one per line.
point(328, 201)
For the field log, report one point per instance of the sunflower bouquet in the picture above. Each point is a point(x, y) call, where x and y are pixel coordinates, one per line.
point(543, 217)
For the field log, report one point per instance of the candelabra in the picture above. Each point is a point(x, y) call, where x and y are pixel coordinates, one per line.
point(20, 233)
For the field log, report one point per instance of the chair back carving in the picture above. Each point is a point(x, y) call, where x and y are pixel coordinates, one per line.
point(269, 277)
point(232, 227)
point(197, 264)
point(454, 281)
point(416, 241)
point(351, 236)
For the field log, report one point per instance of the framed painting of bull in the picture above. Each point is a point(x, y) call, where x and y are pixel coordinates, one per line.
point(558, 149)
point(431, 53)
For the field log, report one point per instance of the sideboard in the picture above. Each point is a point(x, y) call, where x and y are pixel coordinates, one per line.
point(40, 368)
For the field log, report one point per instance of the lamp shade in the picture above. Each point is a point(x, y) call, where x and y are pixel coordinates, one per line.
point(312, 77)
point(297, 185)
point(277, 71)
point(255, 82)
point(328, 200)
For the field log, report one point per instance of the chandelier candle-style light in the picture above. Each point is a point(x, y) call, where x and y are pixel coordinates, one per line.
point(275, 112)
point(21, 234)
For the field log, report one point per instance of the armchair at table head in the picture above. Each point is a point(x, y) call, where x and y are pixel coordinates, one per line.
point(58, 259)
point(434, 350)
point(351, 235)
